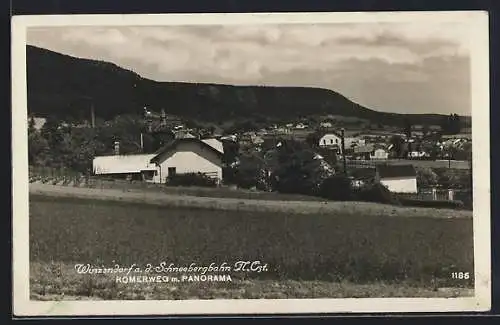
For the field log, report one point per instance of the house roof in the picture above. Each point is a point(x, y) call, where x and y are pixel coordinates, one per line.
point(216, 144)
point(173, 145)
point(390, 171)
point(122, 164)
point(322, 133)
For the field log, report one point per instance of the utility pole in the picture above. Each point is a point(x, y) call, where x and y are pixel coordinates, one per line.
point(342, 141)
point(92, 113)
point(449, 157)
point(92, 109)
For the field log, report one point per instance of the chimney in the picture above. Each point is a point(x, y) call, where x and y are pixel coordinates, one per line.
point(117, 148)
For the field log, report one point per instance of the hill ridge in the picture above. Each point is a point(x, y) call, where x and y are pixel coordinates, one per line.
point(114, 90)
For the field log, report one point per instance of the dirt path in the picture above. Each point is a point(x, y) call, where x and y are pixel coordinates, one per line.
point(301, 207)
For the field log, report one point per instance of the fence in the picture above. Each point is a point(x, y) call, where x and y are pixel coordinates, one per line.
point(67, 177)
point(54, 176)
point(430, 194)
point(452, 164)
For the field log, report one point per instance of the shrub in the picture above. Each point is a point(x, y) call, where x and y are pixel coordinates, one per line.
point(376, 192)
point(336, 188)
point(191, 179)
point(426, 177)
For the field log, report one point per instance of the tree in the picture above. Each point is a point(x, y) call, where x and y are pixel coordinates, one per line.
point(38, 147)
point(247, 174)
point(451, 124)
point(426, 130)
point(397, 143)
point(300, 170)
point(231, 150)
point(464, 152)
point(426, 177)
point(336, 188)
point(123, 128)
point(84, 147)
point(312, 139)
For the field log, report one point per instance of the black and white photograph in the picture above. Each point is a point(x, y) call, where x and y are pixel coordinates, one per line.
point(251, 163)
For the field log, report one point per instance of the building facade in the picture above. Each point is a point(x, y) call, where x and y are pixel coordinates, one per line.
point(330, 140)
point(180, 156)
point(187, 156)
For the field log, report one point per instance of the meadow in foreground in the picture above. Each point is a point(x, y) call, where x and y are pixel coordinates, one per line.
point(352, 255)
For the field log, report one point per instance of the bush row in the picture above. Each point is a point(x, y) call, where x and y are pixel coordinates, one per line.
point(339, 188)
point(191, 179)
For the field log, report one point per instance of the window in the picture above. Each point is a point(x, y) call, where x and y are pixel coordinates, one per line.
point(172, 171)
point(337, 141)
point(331, 141)
point(324, 141)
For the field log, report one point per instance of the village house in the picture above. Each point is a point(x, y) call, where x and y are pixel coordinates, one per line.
point(257, 140)
point(262, 132)
point(180, 156)
point(418, 154)
point(434, 128)
point(325, 125)
point(230, 137)
point(330, 140)
point(376, 136)
point(397, 178)
point(282, 130)
point(214, 143)
point(379, 153)
point(370, 152)
point(351, 142)
point(301, 126)
point(417, 134)
point(363, 152)
point(137, 166)
point(180, 134)
point(189, 155)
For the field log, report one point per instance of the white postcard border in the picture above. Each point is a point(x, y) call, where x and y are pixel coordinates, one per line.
point(481, 174)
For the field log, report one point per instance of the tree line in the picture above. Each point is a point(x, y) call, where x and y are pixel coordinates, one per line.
point(63, 145)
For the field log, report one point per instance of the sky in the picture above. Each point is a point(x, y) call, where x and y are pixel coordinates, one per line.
point(393, 67)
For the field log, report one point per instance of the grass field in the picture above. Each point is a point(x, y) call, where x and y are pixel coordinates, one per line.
point(305, 207)
point(304, 251)
point(57, 281)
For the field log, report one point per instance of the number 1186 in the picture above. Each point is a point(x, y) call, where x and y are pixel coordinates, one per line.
point(460, 275)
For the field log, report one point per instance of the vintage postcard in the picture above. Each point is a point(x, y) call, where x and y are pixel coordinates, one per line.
point(250, 163)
